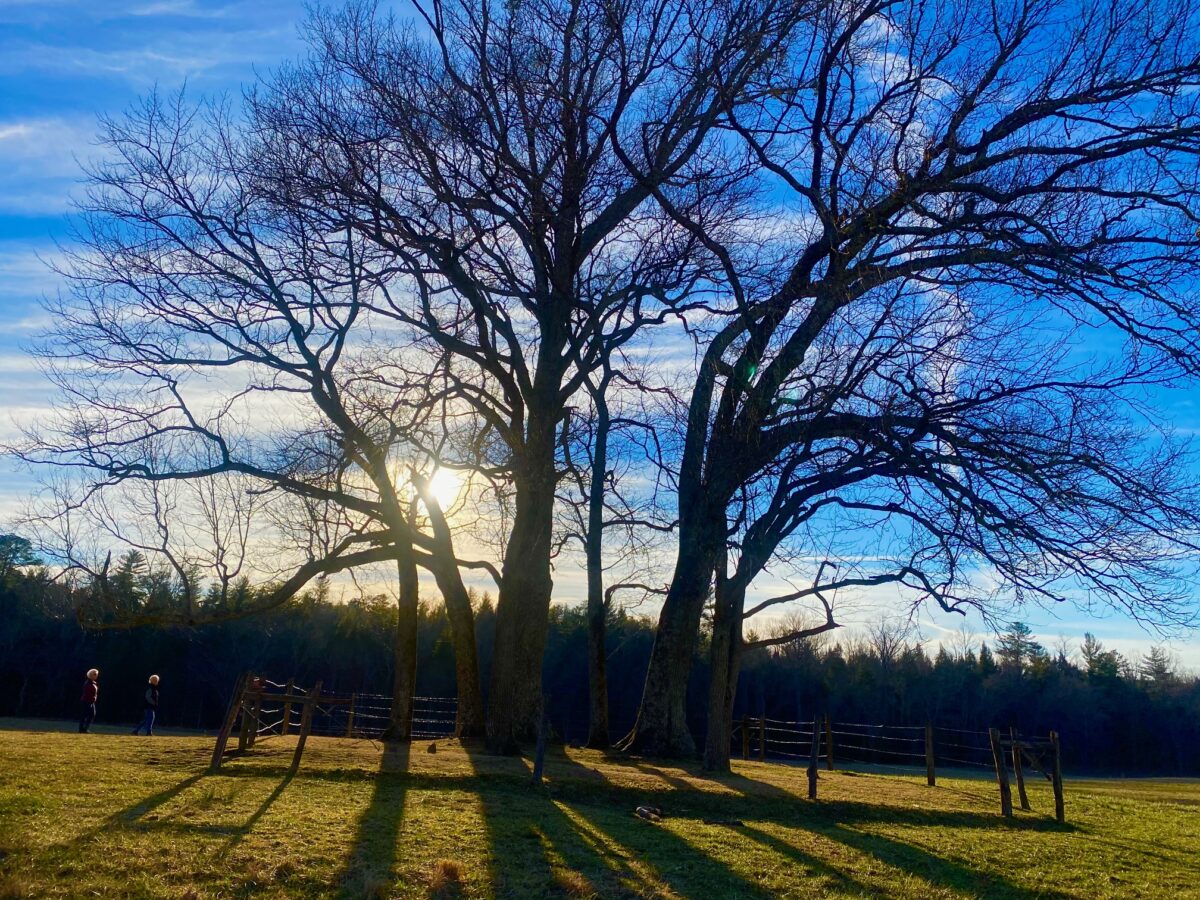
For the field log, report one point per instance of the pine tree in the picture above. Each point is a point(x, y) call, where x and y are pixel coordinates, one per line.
point(987, 663)
point(1101, 664)
point(1156, 665)
point(1017, 649)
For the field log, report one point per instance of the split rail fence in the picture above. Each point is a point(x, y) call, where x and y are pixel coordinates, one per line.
point(907, 747)
point(260, 709)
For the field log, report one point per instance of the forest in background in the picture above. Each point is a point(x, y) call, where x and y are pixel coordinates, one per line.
point(1115, 715)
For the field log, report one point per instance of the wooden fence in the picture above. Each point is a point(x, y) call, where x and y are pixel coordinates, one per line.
point(260, 709)
point(907, 747)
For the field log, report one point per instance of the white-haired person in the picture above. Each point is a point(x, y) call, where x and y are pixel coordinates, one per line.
point(149, 707)
point(87, 701)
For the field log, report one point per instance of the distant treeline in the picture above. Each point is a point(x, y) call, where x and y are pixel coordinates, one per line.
point(1114, 715)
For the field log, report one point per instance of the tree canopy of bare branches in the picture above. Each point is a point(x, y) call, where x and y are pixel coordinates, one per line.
point(933, 259)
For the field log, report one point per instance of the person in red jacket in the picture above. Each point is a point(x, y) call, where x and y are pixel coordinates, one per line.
point(87, 701)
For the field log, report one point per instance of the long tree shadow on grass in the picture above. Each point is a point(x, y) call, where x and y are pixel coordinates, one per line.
point(935, 869)
point(370, 865)
point(544, 841)
point(829, 820)
point(809, 864)
point(600, 814)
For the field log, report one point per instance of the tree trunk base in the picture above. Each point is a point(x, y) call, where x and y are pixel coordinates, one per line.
point(666, 743)
point(395, 734)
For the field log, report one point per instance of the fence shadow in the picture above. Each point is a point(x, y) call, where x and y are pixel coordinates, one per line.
point(246, 827)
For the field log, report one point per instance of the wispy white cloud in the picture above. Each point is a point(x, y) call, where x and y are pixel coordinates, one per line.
point(27, 273)
point(188, 8)
point(181, 57)
point(40, 163)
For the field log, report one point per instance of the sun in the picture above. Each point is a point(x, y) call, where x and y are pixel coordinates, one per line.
point(446, 486)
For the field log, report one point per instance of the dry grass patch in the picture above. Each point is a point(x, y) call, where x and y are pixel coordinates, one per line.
point(447, 877)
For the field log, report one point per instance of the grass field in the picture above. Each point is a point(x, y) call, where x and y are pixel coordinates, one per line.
point(114, 815)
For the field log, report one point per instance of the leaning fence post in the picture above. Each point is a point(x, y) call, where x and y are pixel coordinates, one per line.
point(258, 701)
point(1001, 773)
point(287, 707)
point(745, 737)
point(350, 717)
point(1056, 780)
point(762, 739)
point(930, 771)
point(306, 717)
point(235, 703)
point(813, 756)
point(1018, 771)
point(828, 744)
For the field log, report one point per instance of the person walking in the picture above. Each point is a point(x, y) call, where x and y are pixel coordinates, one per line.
point(149, 707)
point(87, 701)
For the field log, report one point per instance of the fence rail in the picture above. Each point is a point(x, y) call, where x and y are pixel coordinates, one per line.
point(906, 747)
point(260, 709)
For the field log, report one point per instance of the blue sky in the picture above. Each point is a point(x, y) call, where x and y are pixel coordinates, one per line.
point(63, 63)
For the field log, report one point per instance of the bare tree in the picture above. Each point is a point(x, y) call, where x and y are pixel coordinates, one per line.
point(612, 449)
point(970, 194)
point(484, 156)
point(211, 333)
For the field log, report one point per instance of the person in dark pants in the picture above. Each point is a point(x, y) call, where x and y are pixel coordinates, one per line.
point(87, 701)
point(149, 707)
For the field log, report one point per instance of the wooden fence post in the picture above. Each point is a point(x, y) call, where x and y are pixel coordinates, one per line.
point(287, 707)
point(244, 731)
point(258, 701)
point(1001, 773)
point(1056, 780)
point(813, 756)
point(930, 770)
point(235, 702)
point(1017, 769)
point(350, 717)
point(762, 739)
point(828, 744)
point(306, 716)
point(745, 737)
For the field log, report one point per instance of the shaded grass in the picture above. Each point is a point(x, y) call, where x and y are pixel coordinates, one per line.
point(125, 816)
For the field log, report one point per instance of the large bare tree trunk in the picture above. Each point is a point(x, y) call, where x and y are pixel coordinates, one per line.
point(726, 657)
point(469, 717)
point(469, 720)
point(523, 607)
point(404, 682)
point(661, 728)
point(598, 734)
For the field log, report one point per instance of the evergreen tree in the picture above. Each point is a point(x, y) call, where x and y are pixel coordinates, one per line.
point(1101, 664)
point(1156, 665)
point(987, 663)
point(1017, 650)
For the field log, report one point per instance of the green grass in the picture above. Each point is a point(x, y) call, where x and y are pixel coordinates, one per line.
point(114, 815)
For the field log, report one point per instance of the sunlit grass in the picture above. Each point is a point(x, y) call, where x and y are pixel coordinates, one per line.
point(114, 815)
